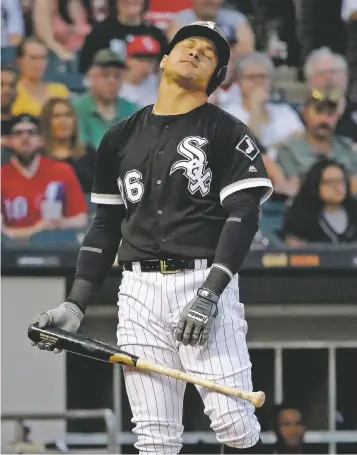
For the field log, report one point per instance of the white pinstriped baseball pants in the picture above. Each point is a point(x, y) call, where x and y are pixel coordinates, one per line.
point(149, 308)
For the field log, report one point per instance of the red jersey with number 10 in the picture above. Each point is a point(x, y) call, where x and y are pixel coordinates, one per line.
point(23, 194)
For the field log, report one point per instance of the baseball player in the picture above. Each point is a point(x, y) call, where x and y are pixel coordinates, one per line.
point(178, 187)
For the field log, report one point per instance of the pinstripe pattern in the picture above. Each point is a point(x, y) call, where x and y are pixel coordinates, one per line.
point(149, 309)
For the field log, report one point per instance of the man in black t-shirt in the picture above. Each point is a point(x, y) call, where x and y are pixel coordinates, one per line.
point(115, 32)
point(9, 78)
point(178, 187)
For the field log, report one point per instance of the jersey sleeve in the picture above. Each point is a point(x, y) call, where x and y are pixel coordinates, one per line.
point(243, 167)
point(105, 186)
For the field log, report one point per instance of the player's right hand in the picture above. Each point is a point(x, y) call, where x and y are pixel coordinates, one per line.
point(67, 316)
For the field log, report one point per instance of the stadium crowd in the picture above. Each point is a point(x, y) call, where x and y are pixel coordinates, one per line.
point(73, 68)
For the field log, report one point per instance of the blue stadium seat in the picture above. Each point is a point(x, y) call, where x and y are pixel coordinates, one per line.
point(272, 216)
point(8, 55)
point(70, 237)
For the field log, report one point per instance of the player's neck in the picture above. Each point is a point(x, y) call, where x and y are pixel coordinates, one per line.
point(174, 100)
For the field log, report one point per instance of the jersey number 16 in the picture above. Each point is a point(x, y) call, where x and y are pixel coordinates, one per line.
point(131, 188)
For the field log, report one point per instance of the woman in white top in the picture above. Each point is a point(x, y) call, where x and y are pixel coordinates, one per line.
point(271, 122)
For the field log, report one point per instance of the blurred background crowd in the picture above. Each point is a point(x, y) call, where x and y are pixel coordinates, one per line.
point(72, 68)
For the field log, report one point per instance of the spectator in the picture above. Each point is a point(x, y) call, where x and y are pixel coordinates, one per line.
point(325, 70)
point(271, 122)
point(323, 210)
point(125, 22)
point(9, 78)
point(62, 25)
point(27, 6)
point(211, 10)
point(289, 429)
point(99, 9)
point(60, 132)
point(12, 25)
point(349, 16)
point(321, 114)
point(140, 79)
point(161, 11)
point(38, 193)
point(100, 107)
point(32, 92)
point(229, 90)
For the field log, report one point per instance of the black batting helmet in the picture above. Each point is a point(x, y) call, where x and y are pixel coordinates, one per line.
point(211, 31)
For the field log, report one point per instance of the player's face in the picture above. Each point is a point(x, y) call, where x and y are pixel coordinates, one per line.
point(140, 68)
point(191, 63)
point(8, 90)
point(206, 9)
point(25, 141)
point(34, 61)
point(63, 122)
point(291, 427)
point(106, 82)
point(333, 186)
point(254, 76)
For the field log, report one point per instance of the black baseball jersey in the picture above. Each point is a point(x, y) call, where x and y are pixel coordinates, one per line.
point(172, 174)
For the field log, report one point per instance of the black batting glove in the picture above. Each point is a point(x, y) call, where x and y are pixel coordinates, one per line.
point(197, 318)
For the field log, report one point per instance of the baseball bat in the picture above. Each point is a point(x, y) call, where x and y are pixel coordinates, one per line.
point(88, 347)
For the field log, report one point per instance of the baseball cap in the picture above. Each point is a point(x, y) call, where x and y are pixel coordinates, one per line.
point(24, 118)
point(322, 99)
point(143, 46)
point(106, 57)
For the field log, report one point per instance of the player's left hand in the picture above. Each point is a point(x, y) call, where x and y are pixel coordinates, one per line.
point(197, 318)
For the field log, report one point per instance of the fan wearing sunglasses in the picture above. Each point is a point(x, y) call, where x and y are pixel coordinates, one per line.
point(37, 193)
point(321, 113)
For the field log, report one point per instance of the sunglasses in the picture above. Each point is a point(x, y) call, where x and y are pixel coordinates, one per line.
point(29, 132)
point(331, 96)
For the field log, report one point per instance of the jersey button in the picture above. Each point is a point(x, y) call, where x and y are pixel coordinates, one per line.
point(161, 152)
point(159, 212)
point(158, 182)
point(162, 240)
point(167, 127)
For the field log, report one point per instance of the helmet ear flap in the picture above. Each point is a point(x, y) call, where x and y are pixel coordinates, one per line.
point(216, 80)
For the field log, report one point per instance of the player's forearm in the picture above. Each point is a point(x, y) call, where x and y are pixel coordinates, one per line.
point(236, 238)
point(97, 254)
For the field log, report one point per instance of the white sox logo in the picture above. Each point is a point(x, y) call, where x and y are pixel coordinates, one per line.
point(194, 167)
point(247, 146)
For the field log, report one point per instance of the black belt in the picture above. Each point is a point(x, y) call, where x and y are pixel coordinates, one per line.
point(166, 265)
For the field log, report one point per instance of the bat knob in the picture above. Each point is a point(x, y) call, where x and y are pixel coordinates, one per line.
point(259, 399)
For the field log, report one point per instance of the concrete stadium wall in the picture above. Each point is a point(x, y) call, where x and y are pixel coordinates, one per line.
point(31, 381)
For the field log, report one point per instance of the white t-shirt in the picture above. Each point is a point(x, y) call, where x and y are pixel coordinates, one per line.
point(226, 98)
point(142, 95)
point(11, 20)
point(283, 121)
point(348, 8)
point(225, 17)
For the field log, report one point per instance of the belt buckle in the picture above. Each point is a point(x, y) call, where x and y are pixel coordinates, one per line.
point(163, 268)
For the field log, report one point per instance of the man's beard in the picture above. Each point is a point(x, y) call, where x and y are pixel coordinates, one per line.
point(26, 160)
point(322, 131)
